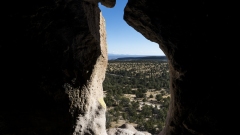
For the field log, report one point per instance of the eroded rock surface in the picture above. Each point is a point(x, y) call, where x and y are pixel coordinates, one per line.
point(126, 129)
point(53, 60)
point(191, 34)
point(53, 64)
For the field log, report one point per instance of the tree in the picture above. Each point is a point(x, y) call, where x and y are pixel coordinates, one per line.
point(108, 99)
point(146, 111)
point(124, 115)
point(139, 94)
point(125, 101)
point(135, 105)
point(159, 97)
point(144, 100)
point(108, 120)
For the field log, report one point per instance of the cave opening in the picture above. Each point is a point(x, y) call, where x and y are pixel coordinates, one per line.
point(136, 91)
point(48, 44)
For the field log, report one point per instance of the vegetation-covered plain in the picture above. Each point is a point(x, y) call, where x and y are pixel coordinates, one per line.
point(137, 92)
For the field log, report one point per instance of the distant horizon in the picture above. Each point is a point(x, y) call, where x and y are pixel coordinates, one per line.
point(136, 54)
point(112, 56)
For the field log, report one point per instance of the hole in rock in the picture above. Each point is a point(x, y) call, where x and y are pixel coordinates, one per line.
point(136, 86)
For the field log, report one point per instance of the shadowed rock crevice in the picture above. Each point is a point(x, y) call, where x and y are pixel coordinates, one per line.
point(53, 64)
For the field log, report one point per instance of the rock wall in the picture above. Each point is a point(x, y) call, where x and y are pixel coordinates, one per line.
point(53, 59)
point(53, 63)
point(126, 129)
point(193, 35)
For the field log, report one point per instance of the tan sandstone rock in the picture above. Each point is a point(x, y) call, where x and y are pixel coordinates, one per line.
point(126, 129)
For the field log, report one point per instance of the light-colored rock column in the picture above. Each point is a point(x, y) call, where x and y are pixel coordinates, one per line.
point(94, 119)
point(86, 101)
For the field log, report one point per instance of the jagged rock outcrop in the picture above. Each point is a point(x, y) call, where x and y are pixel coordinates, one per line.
point(108, 3)
point(126, 129)
point(193, 35)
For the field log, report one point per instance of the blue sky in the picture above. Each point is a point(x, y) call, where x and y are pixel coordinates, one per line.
point(123, 39)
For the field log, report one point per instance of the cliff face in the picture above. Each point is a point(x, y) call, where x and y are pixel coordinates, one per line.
point(53, 59)
point(53, 64)
point(193, 35)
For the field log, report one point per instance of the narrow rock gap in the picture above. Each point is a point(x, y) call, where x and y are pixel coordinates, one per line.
point(136, 92)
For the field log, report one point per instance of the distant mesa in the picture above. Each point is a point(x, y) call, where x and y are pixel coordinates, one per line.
point(135, 57)
point(161, 58)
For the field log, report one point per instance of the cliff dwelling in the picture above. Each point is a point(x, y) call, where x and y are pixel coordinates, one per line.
point(54, 59)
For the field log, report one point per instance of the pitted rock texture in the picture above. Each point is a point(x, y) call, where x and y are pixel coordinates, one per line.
point(193, 35)
point(126, 129)
point(53, 64)
point(53, 60)
point(87, 104)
